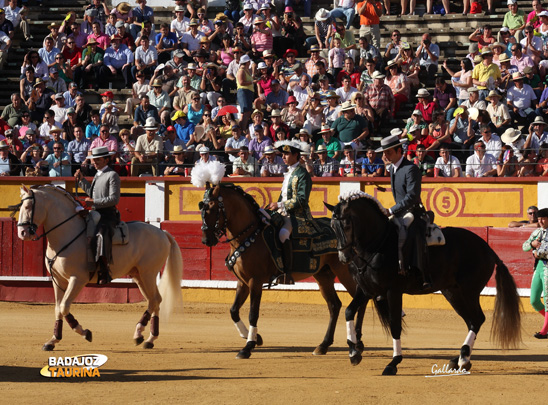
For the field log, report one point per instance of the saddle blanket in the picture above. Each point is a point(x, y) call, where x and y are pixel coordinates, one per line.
point(306, 250)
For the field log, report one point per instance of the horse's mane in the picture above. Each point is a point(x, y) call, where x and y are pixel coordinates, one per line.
point(241, 191)
point(358, 194)
point(57, 189)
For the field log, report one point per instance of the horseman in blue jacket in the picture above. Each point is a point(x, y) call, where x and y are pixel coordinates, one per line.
point(406, 181)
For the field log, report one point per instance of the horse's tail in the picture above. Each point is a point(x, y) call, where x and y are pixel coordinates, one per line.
point(170, 284)
point(506, 328)
point(384, 313)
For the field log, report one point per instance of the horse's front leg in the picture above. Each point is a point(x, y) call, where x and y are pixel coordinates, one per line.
point(242, 292)
point(58, 328)
point(394, 307)
point(256, 291)
point(74, 287)
point(354, 330)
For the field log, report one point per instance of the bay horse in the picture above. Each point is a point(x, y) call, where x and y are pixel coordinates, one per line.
point(460, 269)
point(228, 210)
point(148, 249)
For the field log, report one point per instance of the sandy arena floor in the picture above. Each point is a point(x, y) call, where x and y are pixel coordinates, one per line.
point(194, 359)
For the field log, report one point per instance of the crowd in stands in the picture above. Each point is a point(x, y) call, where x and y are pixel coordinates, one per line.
point(229, 87)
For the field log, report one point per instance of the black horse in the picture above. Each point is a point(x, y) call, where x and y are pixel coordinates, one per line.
point(460, 269)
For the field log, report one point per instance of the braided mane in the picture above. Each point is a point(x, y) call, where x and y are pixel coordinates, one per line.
point(358, 194)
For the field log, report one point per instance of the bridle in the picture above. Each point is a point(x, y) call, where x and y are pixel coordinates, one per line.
point(218, 230)
point(367, 253)
point(30, 223)
point(342, 237)
point(33, 228)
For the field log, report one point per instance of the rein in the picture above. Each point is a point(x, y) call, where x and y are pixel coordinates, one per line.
point(363, 252)
point(220, 231)
point(33, 228)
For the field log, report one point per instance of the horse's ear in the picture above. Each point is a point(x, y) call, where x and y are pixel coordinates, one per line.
point(216, 190)
point(24, 189)
point(329, 206)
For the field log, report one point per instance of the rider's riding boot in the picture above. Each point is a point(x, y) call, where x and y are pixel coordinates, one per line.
point(287, 258)
point(103, 274)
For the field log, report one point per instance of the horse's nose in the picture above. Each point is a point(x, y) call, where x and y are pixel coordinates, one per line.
point(21, 233)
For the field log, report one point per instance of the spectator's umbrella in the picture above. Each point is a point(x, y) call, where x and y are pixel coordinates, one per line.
point(227, 109)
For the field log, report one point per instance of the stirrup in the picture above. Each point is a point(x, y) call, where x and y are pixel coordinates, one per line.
point(284, 278)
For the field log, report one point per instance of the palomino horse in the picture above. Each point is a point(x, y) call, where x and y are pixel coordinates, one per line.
point(149, 248)
point(228, 210)
point(460, 269)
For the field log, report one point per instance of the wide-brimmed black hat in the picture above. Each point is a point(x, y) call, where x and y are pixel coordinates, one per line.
point(542, 213)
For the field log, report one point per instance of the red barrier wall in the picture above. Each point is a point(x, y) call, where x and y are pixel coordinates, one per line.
point(200, 263)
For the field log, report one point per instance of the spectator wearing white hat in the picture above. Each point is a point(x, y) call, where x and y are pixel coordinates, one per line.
point(273, 165)
point(522, 101)
point(379, 99)
point(148, 150)
point(498, 111)
point(179, 25)
point(514, 19)
point(59, 109)
point(248, 18)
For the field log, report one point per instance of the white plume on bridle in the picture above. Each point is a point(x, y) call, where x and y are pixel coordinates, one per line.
point(357, 194)
point(212, 172)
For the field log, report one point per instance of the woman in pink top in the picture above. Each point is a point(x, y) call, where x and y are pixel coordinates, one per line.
point(398, 83)
point(265, 79)
point(225, 55)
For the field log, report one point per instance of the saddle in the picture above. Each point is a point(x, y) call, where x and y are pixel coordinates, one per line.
point(121, 231)
point(307, 247)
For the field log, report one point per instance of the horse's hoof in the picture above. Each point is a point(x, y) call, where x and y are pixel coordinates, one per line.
point(148, 345)
point(454, 364)
point(243, 354)
point(356, 359)
point(320, 350)
point(259, 340)
point(390, 370)
point(48, 347)
point(467, 366)
point(139, 340)
point(88, 335)
point(360, 346)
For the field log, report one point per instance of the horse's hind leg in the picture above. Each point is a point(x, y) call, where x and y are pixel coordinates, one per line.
point(394, 308)
point(148, 288)
point(470, 311)
point(354, 330)
point(326, 282)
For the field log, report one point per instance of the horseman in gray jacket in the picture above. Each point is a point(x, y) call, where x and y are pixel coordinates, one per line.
point(406, 182)
point(104, 194)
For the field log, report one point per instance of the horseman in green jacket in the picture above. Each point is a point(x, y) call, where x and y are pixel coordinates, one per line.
point(293, 201)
